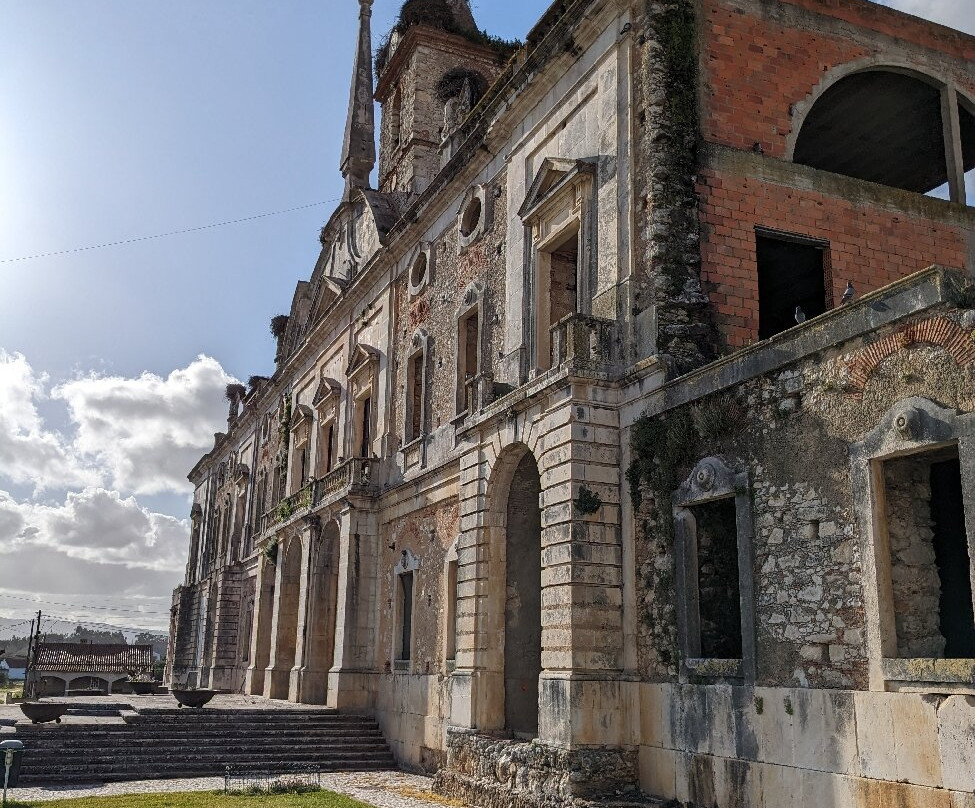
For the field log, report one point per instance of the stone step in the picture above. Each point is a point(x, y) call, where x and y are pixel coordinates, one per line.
point(160, 743)
point(215, 758)
point(177, 748)
point(120, 774)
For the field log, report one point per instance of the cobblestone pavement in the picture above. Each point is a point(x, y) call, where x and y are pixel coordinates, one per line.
point(381, 789)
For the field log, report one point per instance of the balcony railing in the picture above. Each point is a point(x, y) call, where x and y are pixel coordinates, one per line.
point(584, 341)
point(355, 476)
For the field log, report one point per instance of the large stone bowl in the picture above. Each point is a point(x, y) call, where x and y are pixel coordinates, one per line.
point(193, 698)
point(41, 712)
point(142, 688)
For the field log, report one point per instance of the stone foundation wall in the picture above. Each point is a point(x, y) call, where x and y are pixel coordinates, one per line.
point(411, 710)
point(500, 773)
point(739, 747)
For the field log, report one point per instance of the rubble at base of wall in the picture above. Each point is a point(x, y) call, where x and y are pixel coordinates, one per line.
point(500, 773)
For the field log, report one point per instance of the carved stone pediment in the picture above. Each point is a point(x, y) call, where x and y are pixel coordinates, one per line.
point(363, 356)
point(555, 176)
point(329, 391)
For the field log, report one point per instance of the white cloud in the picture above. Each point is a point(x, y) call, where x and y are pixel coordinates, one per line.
point(123, 437)
point(29, 453)
point(953, 13)
point(146, 433)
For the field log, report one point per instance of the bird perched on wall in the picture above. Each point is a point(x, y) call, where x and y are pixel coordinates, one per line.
point(626, 29)
point(848, 294)
point(800, 315)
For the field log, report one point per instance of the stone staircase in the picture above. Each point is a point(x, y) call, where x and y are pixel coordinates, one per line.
point(158, 743)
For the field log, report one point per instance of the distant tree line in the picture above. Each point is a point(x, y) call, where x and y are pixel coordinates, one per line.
point(17, 646)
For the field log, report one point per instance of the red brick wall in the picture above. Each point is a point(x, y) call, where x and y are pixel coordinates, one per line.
point(756, 67)
point(871, 247)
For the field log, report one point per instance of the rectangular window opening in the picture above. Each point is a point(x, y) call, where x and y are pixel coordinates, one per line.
point(328, 448)
point(563, 278)
point(365, 426)
point(718, 589)
point(929, 556)
point(406, 616)
point(415, 398)
point(794, 282)
point(451, 650)
point(469, 335)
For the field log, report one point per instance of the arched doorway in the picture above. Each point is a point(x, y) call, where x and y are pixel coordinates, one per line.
point(523, 599)
point(322, 613)
point(286, 635)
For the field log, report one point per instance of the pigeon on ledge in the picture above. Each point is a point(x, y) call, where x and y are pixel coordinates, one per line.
point(800, 315)
point(849, 293)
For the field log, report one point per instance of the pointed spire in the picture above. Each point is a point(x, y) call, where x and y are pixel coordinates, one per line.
point(359, 148)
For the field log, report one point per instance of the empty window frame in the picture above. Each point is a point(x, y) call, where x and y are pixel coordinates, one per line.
point(893, 128)
point(557, 284)
point(363, 427)
point(717, 596)
point(450, 629)
point(468, 358)
point(326, 447)
point(404, 645)
point(794, 280)
point(712, 514)
point(415, 391)
point(930, 564)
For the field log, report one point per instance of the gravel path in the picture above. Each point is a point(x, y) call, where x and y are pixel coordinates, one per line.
point(381, 789)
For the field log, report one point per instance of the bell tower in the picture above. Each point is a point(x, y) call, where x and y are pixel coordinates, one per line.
point(435, 63)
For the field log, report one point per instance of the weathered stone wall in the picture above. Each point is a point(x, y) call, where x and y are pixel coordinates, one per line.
point(499, 773)
point(807, 726)
point(914, 574)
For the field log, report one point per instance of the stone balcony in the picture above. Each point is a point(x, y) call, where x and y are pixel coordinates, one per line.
point(585, 343)
point(355, 477)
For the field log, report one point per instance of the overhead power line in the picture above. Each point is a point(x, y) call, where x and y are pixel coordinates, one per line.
point(137, 239)
point(84, 606)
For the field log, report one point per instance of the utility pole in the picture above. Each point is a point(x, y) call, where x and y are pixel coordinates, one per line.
point(30, 684)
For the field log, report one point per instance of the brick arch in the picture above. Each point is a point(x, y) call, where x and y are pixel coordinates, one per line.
point(835, 75)
point(939, 331)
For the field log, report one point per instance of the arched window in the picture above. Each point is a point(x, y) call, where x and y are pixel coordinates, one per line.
point(892, 128)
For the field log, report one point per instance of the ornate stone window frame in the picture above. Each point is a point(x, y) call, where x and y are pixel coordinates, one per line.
point(561, 198)
point(711, 480)
point(362, 373)
point(468, 232)
point(413, 453)
point(302, 419)
point(424, 255)
point(912, 426)
point(408, 563)
point(326, 405)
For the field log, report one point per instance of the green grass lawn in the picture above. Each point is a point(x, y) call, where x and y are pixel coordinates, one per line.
point(203, 799)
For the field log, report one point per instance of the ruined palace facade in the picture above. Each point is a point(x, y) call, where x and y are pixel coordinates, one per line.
point(622, 438)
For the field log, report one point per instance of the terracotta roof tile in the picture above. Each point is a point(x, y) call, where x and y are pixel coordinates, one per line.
point(93, 658)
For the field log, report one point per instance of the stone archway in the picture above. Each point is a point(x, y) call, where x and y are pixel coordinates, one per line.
point(523, 599)
point(285, 646)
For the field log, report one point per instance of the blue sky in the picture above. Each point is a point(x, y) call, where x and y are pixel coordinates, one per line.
point(123, 119)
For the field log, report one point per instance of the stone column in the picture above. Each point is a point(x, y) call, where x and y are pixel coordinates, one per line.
point(287, 622)
point(582, 580)
point(350, 684)
point(261, 634)
point(307, 682)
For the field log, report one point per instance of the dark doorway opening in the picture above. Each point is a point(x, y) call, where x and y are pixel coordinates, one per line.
point(952, 558)
point(791, 273)
point(718, 588)
point(523, 601)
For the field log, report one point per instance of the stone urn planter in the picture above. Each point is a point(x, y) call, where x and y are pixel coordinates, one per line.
point(40, 712)
point(143, 688)
point(193, 698)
